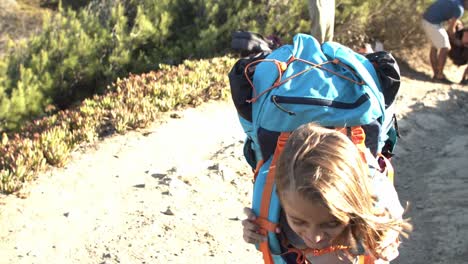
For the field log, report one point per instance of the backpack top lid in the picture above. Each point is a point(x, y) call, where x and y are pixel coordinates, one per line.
point(330, 85)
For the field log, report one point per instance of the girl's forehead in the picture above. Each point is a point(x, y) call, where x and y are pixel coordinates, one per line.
point(297, 206)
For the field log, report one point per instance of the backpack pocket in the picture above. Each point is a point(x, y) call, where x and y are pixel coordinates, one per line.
point(241, 90)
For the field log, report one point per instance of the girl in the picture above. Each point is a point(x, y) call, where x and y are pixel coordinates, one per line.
point(330, 205)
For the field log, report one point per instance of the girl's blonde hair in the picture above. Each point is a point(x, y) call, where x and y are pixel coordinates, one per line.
point(324, 166)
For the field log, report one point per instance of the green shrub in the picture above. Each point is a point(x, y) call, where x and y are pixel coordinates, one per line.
point(20, 160)
point(73, 4)
point(80, 52)
point(129, 103)
point(395, 23)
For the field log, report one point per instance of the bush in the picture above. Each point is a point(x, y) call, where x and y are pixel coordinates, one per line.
point(395, 23)
point(130, 103)
point(80, 52)
point(73, 4)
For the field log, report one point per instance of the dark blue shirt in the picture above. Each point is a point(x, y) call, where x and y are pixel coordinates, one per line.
point(443, 10)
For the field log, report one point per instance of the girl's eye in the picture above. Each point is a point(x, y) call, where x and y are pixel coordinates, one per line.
point(297, 222)
point(332, 224)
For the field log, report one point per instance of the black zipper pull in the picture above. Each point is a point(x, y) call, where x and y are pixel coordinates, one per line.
point(395, 124)
point(273, 98)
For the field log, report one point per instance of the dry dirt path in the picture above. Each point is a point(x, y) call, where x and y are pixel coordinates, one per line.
point(432, 171)
point(169, 194)
point(174, 192)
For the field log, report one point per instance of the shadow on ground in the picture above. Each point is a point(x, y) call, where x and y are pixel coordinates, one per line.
point(409, 72)
point(431, 175)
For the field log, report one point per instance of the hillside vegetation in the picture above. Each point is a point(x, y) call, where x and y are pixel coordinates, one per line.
point(19, 19)
point(63, 86)
point(79, 51)
point(131, 103)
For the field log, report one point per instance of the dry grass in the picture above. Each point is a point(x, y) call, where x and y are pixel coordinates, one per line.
point(20, 21)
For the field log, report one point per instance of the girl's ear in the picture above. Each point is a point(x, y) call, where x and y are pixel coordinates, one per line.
point(357, 247)
point(350, 237)
point(346, 238)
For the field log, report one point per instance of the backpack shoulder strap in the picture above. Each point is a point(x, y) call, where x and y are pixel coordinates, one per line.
point(266, 226)
point(365, 259)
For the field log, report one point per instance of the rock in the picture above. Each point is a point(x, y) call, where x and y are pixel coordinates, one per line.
point(175, 116)
point(214, 167)
point(168, 212)
point(158, 175)
point(228, 174)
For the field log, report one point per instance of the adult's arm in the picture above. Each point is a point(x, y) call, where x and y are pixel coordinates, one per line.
point(452, 26)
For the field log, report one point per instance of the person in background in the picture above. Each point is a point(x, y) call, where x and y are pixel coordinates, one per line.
point(322, 19)
point(440, 12)
point(458, 52)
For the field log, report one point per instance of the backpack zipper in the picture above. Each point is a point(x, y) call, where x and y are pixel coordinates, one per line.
point(274, 99)
point(277, 100)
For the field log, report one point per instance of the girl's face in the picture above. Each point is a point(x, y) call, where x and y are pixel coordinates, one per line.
point(311, 220)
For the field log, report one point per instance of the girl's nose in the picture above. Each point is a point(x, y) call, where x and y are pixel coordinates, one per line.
point(315, 235)
point(318, 237)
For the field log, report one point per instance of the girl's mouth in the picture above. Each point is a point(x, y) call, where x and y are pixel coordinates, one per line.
point(320, 245)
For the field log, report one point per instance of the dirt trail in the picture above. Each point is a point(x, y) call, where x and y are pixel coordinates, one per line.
point(432, 172)
point(168, 194)
point(174, 192)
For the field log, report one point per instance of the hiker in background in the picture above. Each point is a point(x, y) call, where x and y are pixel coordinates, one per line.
point(332, 210)
point(458, 52)
point(441, 11)
point(322, 19)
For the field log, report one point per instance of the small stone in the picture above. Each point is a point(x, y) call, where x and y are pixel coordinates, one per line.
point(175, 116)
point(159, 175)
point(214, 167)
point(168, 212)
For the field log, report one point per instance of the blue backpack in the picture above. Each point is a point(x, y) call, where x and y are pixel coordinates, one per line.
point(277, 91)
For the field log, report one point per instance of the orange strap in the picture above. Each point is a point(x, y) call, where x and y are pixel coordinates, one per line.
point(282, 66)
point(301, 254)
point(366, 259)
point(358, 137)
point(266, 225)
point(266, 197)
point(268, 188)
point(265, 249)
